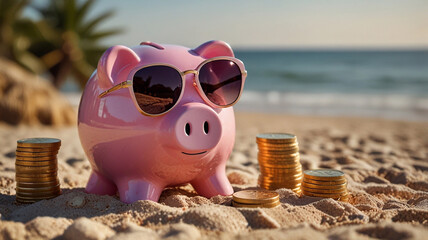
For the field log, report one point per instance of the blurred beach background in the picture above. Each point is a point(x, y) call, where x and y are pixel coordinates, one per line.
point(352, 58)
point(336, 58)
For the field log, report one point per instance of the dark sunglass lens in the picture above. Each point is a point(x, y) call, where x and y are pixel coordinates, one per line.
point(157, 88)
point(221, 81)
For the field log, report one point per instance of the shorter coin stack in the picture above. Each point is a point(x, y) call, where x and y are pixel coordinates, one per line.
point(255, 198)
point(326, 183)
point(279, 161)
point(36, 169)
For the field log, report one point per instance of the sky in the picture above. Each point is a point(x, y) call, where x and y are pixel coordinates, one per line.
point(271, 23)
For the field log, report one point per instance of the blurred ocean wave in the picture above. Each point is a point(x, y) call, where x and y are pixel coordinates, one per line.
point(336, 104)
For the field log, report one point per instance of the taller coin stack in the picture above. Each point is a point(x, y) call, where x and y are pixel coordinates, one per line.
point(279, 161)
point(326, 183)
point(36, 169)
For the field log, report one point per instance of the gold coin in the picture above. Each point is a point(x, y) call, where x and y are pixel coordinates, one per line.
point(276, 187)
point(296, 189)
point(33, 150)
point(327, 191)
point(290, 183)
point(292, 178)
point(325, 183)
point(35, 170)
point(279, 164)
point(279, 142)
point(264, 142)
point(37, 184)
point(35, 159)
point(282, 168)
point(39, 142)
point(269, 166)
point(277, 160)
point(293, 156)
point(276, 137)
point(40, 190)
point(36, 154)
point(274, 170)
point(277, 145)
point(52, 193)
point(281, 185)
point(297, 178)
point(37, 179)
point(36, 164)
point(38, 197)
point(278, 157)
point(255, 196)
point(278, 148)
point(318, 186)
point(261, 205)
point(324, 195)
point(271, 152)
point(288, 179)
point(35, 175)
point(324, 174)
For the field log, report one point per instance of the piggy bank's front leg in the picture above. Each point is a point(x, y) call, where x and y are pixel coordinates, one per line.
point(98, 184)
point(216, 184)
point(131, 190)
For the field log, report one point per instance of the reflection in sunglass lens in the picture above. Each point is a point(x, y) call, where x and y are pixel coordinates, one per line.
point(157, 88)
point(221, 81)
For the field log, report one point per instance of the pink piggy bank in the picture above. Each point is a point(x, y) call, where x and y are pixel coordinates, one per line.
point(154, 116)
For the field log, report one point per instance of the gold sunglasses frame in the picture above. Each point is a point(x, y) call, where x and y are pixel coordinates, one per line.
point(128, 83)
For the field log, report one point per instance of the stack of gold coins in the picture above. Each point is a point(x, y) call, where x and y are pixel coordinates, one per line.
point(327, 183)
point(255, 198)
point(36, 169)
point(279, 161)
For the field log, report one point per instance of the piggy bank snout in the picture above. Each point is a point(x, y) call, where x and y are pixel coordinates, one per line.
point(196, 128)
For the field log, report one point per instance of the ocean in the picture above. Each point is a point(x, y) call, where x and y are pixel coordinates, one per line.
point(385, 84)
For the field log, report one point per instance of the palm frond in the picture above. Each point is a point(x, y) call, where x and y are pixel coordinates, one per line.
point(93, 23)
point(103, 34)
point(69, 9)
point(82, 11)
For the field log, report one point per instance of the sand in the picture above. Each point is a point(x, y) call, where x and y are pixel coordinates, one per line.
point(386, 165)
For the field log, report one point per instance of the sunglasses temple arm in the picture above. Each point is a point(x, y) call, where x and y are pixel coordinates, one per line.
point(116, 87)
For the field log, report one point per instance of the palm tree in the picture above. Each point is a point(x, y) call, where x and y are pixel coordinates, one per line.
point(69, 40)
point(16, 34)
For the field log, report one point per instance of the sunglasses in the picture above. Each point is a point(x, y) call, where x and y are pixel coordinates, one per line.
point(157, 88)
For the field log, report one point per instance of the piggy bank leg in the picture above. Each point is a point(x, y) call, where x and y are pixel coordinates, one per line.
point(138, 189)
point(216, 184)
point(98, 184)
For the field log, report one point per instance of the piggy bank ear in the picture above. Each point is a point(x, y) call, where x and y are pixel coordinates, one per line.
point(214, 49)
point(115, 64)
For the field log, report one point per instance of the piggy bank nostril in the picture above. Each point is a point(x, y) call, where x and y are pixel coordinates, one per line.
point(206, 127)
point(187, 129)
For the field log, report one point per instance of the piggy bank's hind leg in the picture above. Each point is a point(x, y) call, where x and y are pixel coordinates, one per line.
point(98, 184)
point(131, 190)
point(216, 184)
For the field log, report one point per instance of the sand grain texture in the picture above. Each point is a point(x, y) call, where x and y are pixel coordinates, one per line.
point(386, 165)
